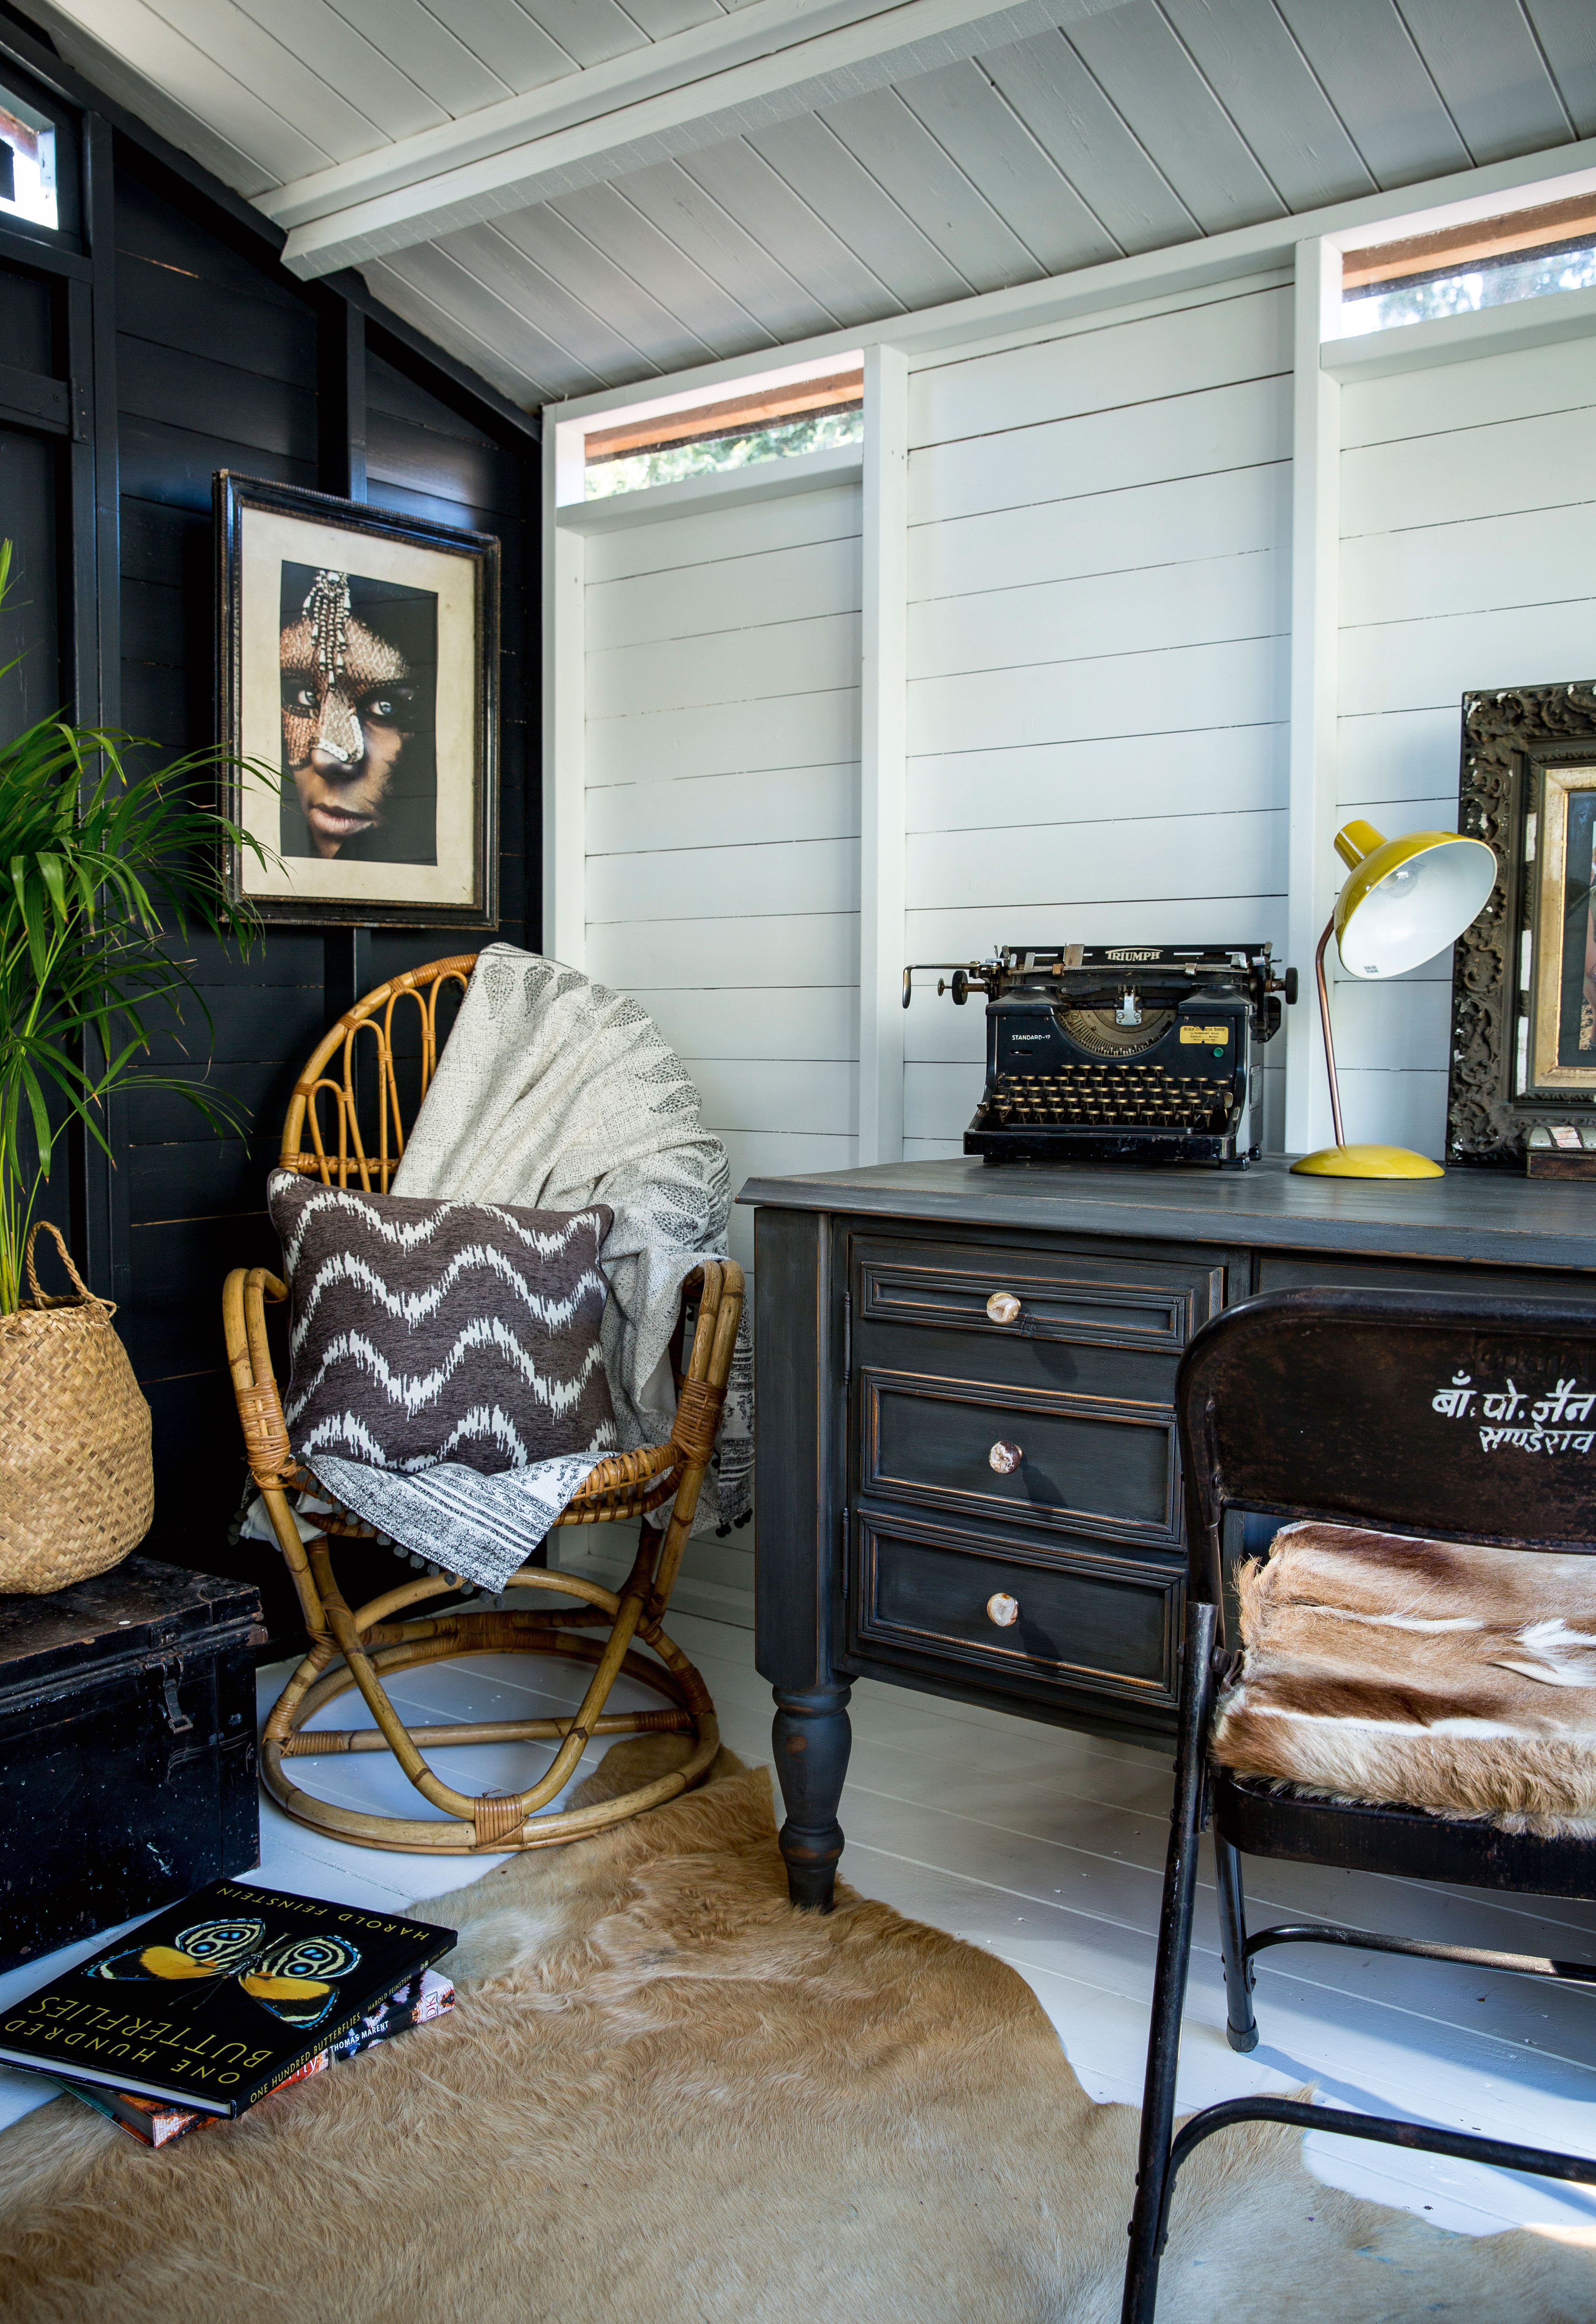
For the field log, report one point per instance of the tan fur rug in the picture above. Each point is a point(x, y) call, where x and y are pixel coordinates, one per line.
point(668, 2098)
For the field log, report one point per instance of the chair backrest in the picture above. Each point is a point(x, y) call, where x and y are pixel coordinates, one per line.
point(323, 1135)
point(1448, 1416)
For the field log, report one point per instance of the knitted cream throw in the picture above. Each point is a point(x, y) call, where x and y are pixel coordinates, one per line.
point(552, 1093)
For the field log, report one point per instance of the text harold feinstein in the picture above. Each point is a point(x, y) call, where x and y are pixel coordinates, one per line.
point(1552, 1423)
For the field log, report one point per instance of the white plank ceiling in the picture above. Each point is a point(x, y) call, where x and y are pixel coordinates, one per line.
point(577, 194)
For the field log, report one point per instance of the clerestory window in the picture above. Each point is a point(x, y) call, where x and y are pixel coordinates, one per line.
point(27, 162)
point(1489, 263)
point(768, 423)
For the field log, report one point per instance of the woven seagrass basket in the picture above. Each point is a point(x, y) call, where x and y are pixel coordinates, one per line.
point(76, 1487)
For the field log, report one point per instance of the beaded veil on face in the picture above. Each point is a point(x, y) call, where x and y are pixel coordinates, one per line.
point(346, 711)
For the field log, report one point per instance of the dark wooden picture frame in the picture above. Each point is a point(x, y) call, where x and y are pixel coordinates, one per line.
point(453, 809)
point(1514, 1068)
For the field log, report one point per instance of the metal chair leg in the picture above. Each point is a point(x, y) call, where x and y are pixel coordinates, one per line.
point(1175, 1945)
point(1240, 2026)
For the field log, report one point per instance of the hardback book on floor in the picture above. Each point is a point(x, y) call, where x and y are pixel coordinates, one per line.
point(426, 1995)
point(220, 1999)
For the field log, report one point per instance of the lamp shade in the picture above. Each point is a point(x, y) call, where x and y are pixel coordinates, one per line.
point(1407, 899)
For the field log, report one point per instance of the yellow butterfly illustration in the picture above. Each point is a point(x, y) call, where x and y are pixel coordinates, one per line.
point(292, 1977)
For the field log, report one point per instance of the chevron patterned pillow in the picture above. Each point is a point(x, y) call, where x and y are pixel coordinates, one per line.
point(426, 1331)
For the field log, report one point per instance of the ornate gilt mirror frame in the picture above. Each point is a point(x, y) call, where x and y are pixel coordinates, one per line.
point(1519, 1025)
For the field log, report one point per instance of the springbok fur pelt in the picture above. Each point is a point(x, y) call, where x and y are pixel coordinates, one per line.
point(667, 2097)
point(1435, 1674)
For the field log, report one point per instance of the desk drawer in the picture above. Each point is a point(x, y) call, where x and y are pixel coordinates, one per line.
point(1295, 1270)
point(1082, 1298)
point(1085, 1462)
point(1087, 1621)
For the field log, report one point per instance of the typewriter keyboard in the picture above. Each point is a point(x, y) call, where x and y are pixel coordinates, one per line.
point(1107, 1097)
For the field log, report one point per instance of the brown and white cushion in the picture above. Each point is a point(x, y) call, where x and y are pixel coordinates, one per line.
point(426, 1331)
point(1440, 1675)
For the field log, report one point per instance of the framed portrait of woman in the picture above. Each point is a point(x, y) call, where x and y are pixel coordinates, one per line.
point(1523, 1079)
point(358, 657)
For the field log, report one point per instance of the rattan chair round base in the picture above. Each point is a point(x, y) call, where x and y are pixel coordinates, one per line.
point(393, 1646)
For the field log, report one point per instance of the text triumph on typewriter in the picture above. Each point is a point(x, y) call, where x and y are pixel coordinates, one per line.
point(1119, 1053)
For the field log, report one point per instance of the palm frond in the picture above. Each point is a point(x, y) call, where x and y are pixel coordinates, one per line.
point(103, 864)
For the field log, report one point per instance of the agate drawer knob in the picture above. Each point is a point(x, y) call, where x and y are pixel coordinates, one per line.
point(1004, 1457)
point(1002, 1609)
point(1002, 1307)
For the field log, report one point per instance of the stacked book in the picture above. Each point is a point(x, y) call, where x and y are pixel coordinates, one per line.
point(221, 2000)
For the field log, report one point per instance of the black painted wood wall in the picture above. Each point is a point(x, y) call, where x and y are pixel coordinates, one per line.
point(220, 359)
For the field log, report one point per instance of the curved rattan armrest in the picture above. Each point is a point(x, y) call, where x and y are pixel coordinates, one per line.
point(625, 1485)
point(254, 1383)
point(271, 1462)
point(702, 1390)
point(631, 1484)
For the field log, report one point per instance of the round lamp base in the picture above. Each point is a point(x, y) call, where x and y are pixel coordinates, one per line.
point(1367, 1162)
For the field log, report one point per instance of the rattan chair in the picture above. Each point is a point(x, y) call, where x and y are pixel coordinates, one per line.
point(363, 1648)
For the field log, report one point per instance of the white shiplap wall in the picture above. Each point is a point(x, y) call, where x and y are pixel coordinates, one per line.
point(1468, 498)
point(1098, 555)
point(1099, 572)
point(722, 812)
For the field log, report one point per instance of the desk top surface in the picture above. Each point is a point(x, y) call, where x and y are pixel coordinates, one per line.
point(1477, 1216)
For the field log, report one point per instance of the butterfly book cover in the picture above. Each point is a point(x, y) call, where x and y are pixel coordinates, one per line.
point(154, 2122)
point(219, 1999)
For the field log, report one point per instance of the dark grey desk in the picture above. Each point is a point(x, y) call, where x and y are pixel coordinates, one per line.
point(991, 1510)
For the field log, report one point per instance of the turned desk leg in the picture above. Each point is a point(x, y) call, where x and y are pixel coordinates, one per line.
point(812, 1739)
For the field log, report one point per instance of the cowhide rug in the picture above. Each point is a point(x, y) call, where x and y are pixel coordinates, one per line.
point(666, 2097)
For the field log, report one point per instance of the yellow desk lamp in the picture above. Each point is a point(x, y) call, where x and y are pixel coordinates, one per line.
point(1405, 901)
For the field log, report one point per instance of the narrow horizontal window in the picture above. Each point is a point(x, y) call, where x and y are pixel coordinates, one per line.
point(806, 415)
point(27, 162)
point(1490, 262)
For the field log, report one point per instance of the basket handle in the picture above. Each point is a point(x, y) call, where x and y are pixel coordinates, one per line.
point(49, 1227)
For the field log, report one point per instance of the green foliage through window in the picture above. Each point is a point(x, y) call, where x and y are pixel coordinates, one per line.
point(1497, 284)
point(669, 463)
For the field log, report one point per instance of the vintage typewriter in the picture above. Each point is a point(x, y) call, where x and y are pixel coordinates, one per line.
point(1119, 1053)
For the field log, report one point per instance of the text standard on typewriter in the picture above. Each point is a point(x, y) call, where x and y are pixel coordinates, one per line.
point(1120, 1053)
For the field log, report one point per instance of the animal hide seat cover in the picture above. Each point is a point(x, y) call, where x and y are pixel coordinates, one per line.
point(1441, 1675)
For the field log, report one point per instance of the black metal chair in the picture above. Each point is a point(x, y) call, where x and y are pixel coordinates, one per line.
point(1331, 1404)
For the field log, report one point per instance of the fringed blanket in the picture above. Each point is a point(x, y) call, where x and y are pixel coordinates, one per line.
point(554, 1092)
point(1430, 1674)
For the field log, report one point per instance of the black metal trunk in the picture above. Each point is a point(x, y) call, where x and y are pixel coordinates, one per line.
point(128, 1749)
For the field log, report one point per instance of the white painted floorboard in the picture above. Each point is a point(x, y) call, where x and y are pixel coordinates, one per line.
point(1047, 1848)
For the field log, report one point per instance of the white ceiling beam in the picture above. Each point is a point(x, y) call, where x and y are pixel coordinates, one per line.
point(762, 63)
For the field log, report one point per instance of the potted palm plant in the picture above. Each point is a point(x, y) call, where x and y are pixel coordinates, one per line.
point(103, 863)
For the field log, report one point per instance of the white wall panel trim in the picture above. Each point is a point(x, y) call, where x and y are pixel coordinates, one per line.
point(1315, 528)
point(565, 725)
point(1463, 338)
point(882, 754)
point(1051, 678)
